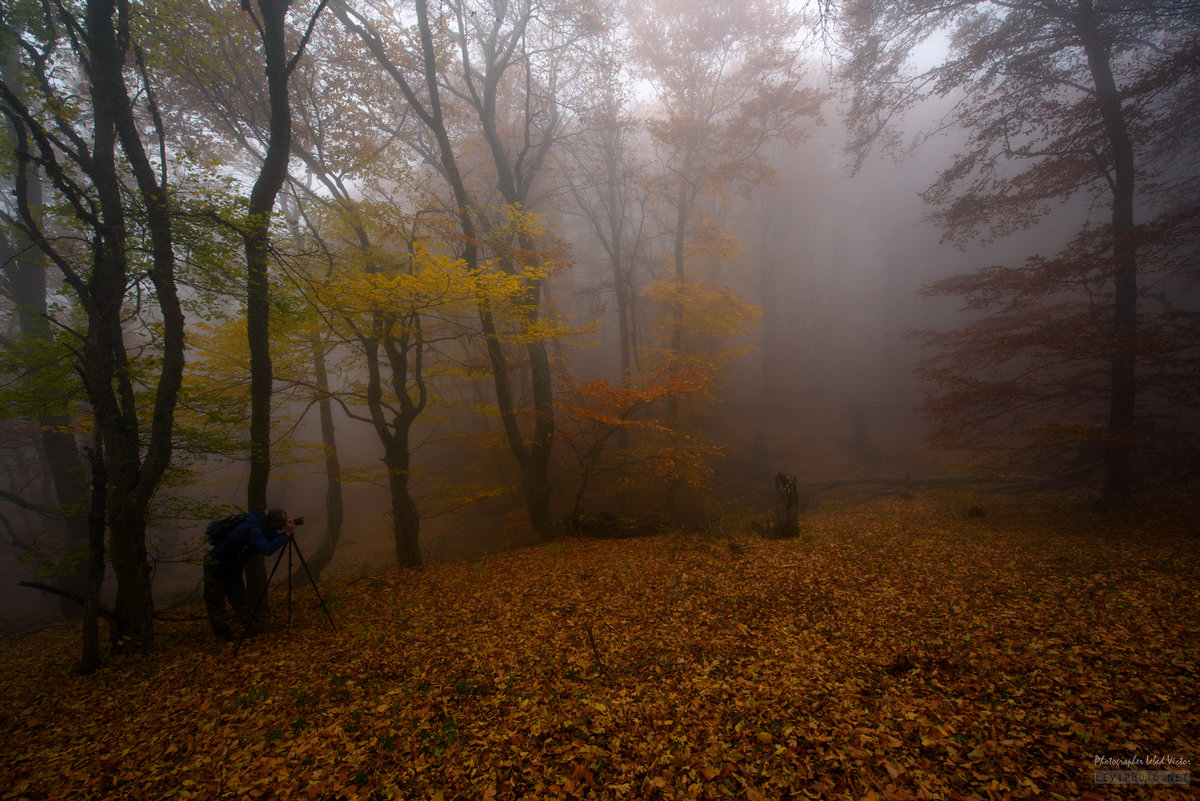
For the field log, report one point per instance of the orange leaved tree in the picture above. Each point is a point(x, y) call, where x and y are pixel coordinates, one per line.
point(624, 432)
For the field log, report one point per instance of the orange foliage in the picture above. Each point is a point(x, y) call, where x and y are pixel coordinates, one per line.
point(623, 431)
point(898, 650)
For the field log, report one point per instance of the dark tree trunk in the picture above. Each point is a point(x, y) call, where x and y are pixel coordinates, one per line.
point(90, 658)
point(537, 469)
point(266, 188)
point(406, 519)
point(787, 508)
point(105, 361)
point(134, 460)
point(256, 238)
point(394, 424)
point(1118, 473)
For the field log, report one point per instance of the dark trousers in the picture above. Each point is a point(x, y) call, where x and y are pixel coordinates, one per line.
point(224, 581)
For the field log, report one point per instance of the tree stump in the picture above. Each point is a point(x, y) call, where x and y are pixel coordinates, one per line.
point(787, 508)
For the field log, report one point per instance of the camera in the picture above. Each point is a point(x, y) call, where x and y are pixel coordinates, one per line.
point(298, 521)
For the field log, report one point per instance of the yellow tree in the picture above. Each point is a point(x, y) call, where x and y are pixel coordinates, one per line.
point(400, 306)
point(496, 65)
point(395, 312)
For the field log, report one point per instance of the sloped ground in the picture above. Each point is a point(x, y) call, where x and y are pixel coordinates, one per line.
point(896, 650)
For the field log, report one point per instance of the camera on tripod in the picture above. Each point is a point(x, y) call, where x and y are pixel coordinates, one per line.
point(292, 547)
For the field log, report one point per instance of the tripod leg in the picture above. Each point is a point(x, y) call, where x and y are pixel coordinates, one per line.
point(311, 581)
point(258, 604)
point(291, 546)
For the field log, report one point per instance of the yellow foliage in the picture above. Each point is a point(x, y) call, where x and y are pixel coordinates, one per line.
point(516, 222)
point(426, 280)
point(710, 316)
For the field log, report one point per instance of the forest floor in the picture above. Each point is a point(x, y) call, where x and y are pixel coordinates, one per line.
point(897, 649)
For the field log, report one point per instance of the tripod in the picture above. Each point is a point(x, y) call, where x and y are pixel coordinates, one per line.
point(291, 547)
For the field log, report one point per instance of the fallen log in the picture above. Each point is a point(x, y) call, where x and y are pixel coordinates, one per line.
point(70, 595)
point(607, 526)
point(991, 484)
point(894, 485)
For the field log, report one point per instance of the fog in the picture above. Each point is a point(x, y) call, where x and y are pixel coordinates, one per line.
point(591, 148)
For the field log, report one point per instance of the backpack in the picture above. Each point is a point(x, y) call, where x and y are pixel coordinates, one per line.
point(216, 531)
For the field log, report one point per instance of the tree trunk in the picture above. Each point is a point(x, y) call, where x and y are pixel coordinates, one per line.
point(105, 362)
point(406, 520)
point(393, 426)
point(90, 658)
point(532, 458)
point(128, 460)
point(68, 471)
point(334, 505)
point(266, 188)
point(537, 470)
point(536, 487)
point(787, 508)
point(257, 246)
point(1118, 473)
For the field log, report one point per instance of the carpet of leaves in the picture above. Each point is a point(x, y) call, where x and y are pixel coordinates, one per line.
point(896, 650)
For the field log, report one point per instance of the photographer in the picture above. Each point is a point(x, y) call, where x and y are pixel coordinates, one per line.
point(252, 533)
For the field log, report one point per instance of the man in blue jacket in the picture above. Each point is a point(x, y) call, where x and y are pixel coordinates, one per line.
point(257, 533)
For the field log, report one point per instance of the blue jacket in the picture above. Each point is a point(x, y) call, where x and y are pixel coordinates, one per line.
point(248, 538)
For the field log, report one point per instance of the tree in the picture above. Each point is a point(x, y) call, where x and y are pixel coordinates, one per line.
point(319, 346)
point(25, 285)
point(248, 122)
point(727, 80)
point(273, 30)
point(374, 286)
point(604, 171)
point(1069, 107)
point(505, 76)
point(613, 431)
point(356, 181)
point(83, 157)
point(232, 111)
point(395, 313)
